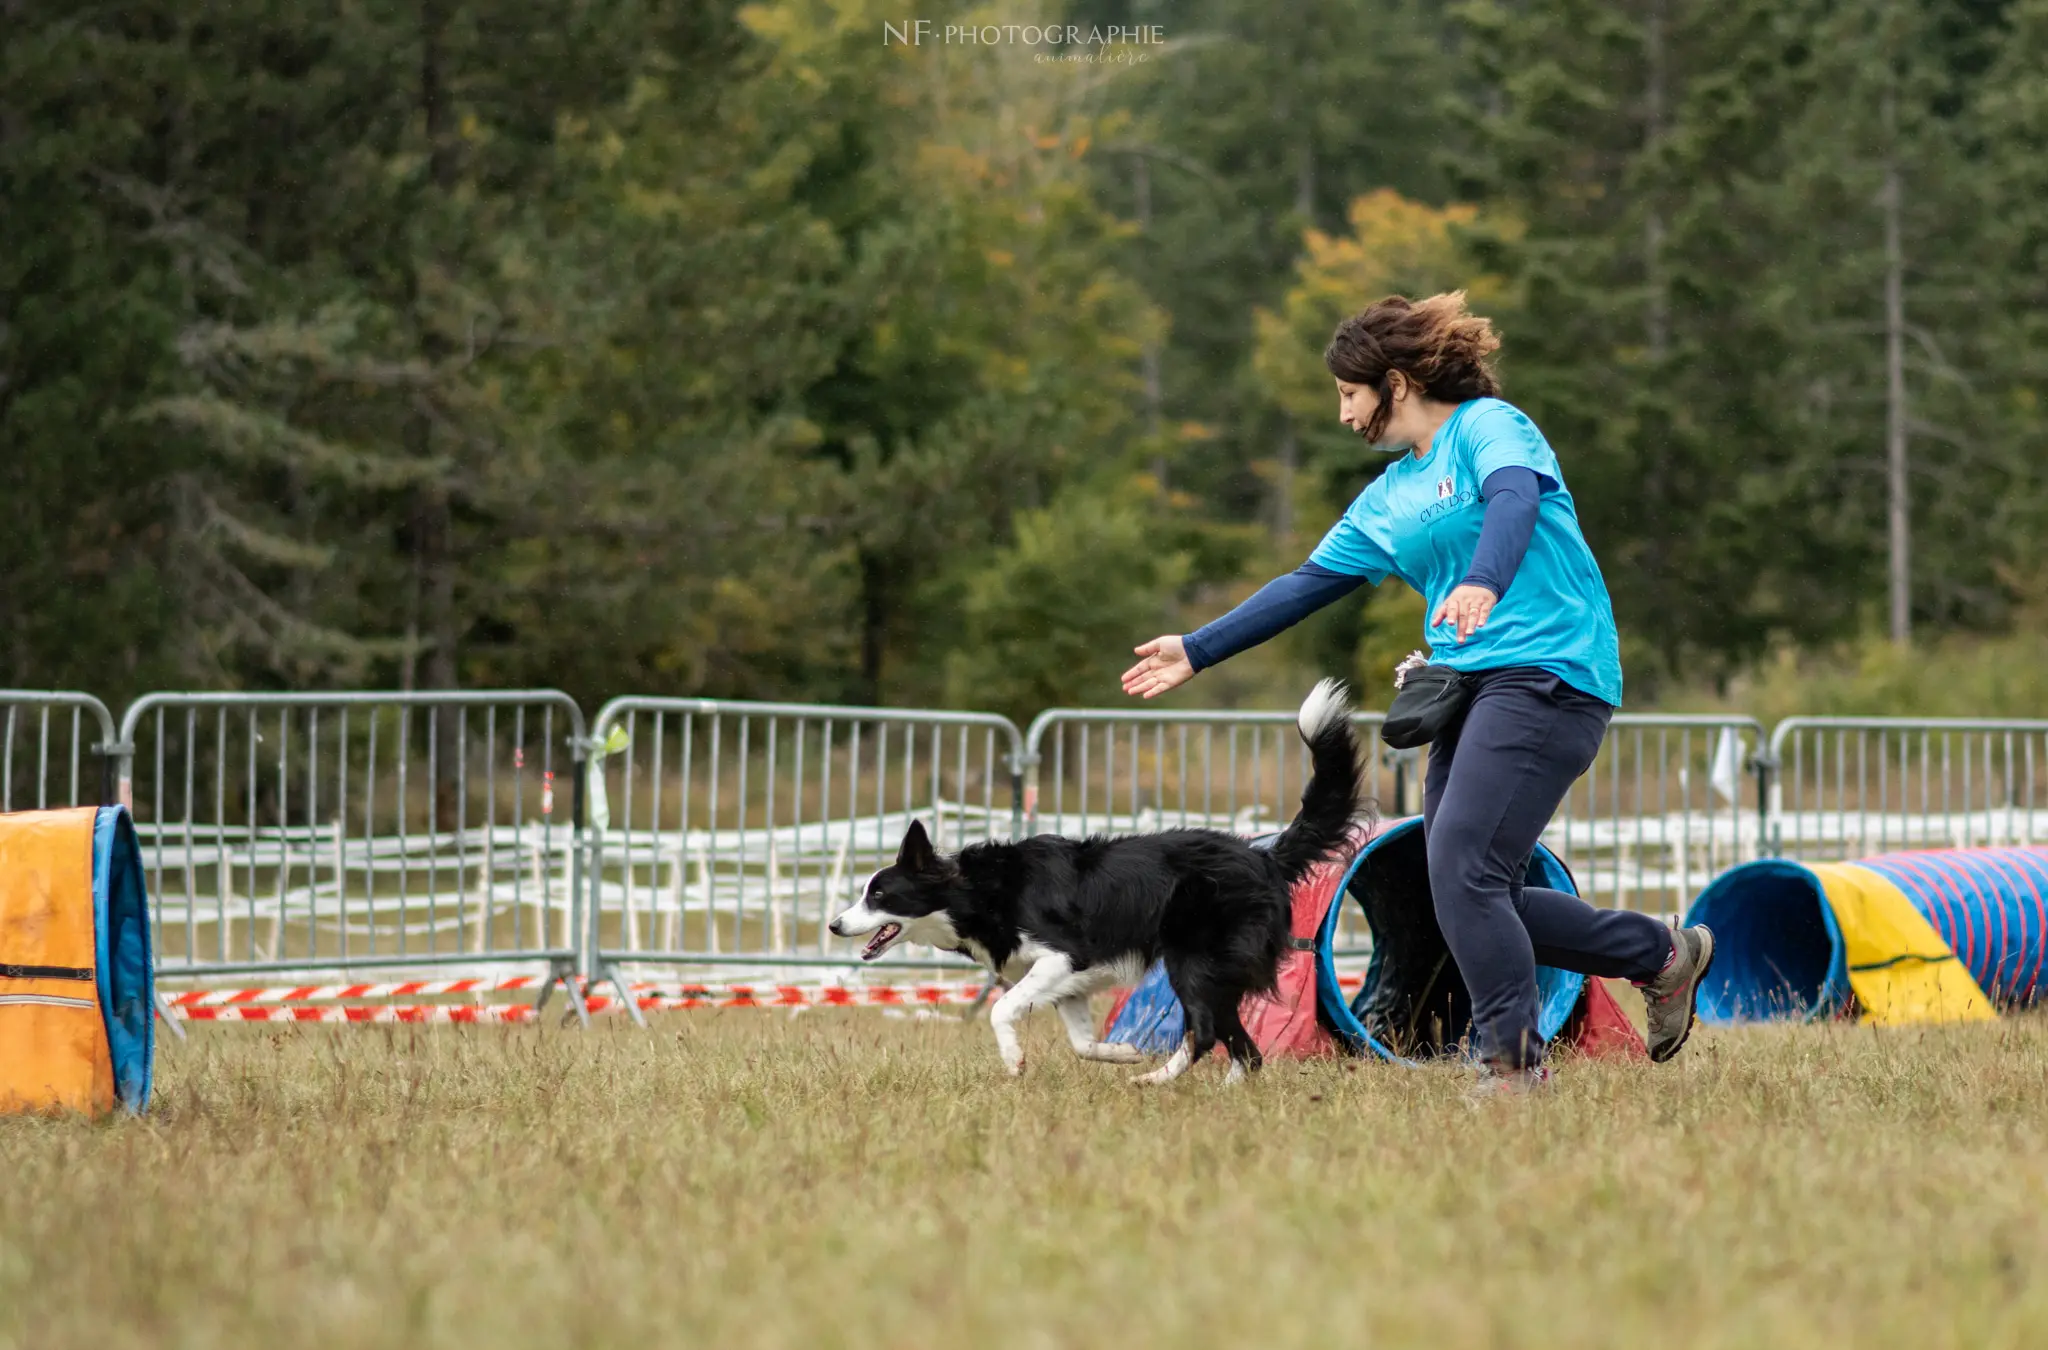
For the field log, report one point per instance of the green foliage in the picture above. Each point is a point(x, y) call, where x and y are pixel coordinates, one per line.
point(1701, 314)
point(1258, 122)
point(732, 349)
point(1958, 675)
point(1049, 619)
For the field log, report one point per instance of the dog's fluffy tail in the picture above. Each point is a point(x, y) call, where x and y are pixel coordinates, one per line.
point(1331, 801)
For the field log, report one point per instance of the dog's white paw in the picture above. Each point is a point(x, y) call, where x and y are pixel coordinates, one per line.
point(1009, 1048)
point(1114, 1052)
point(1155, 1078)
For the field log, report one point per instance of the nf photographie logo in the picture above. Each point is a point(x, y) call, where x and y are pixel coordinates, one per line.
point(1074, 38)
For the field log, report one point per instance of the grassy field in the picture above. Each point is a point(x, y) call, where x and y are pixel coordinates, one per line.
point(844, 1179)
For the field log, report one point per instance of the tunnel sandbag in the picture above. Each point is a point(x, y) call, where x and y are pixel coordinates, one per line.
point(1937, 936)
point(1413, 1003)
point(77, 981)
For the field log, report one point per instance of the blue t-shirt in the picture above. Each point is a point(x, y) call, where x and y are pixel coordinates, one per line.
point(1420, 521)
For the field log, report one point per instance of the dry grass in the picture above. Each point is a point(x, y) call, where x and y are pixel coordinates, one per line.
point(741, 1179)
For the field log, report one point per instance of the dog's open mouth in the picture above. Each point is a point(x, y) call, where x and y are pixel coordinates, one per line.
point(884, 935)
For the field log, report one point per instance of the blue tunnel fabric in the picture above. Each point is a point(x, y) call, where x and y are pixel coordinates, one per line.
point(1779, 951)
point(1151, 1019)
point(125, 964)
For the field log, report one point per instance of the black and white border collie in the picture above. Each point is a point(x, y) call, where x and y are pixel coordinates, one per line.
point(1062, 919)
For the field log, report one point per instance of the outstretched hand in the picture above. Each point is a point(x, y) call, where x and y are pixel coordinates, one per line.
point(1468, 608)
point(1165, 666)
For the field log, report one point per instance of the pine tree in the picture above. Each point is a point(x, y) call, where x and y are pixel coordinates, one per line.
point(1627, 146)
point(2005, 315)
point(995, 361)
point(1257, 122)
point(1884, 308)
point(85, 319)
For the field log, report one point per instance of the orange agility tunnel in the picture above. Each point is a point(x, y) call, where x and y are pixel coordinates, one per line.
point(77, 979)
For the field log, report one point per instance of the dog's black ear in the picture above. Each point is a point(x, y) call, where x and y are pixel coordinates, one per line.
point(916, 854)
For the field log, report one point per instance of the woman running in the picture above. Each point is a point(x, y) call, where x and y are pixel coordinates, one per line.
point(1475, 517)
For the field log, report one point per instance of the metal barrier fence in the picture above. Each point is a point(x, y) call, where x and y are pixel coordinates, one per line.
point(1846, 787)
point(55, 750)
point(1116, 771)
point(1108, 770)
point(339, 831)
point(731, 833)
point(1670, 802)
point(310, 832)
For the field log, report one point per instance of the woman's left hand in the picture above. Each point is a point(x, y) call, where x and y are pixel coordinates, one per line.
point(1467, 607)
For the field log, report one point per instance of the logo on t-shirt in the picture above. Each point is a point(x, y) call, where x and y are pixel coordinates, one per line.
point(1446, 488)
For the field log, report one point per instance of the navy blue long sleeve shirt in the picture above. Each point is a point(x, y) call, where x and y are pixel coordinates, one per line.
point(1513, 496)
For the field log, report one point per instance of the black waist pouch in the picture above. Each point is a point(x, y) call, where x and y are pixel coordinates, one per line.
point(1430, 702)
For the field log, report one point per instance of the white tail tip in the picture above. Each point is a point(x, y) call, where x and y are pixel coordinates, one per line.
point(1329, 702)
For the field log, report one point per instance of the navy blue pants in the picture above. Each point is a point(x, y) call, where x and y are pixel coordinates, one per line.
point(1493, 784)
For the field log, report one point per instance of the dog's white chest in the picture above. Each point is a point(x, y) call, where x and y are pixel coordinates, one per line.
point(1026, 956)
point(1011, 970)
point(978, 953)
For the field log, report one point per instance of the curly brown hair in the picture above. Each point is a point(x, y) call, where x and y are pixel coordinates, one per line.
point(1439, 345)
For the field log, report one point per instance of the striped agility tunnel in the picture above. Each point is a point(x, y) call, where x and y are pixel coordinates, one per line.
point(1940, 936)
point(1411, 1004)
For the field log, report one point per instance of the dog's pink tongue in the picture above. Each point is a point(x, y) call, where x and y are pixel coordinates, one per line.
point(883, 936)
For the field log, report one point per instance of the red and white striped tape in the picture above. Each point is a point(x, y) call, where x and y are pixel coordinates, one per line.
point(804, 996)
point(505, 1012)
point(217, 998)
point(282, 1005)
point(730, 997)
point(290, 1005)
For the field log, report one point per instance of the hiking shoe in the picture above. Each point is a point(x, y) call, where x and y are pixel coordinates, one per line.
point(1494, 1081)
point(1669, 998)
